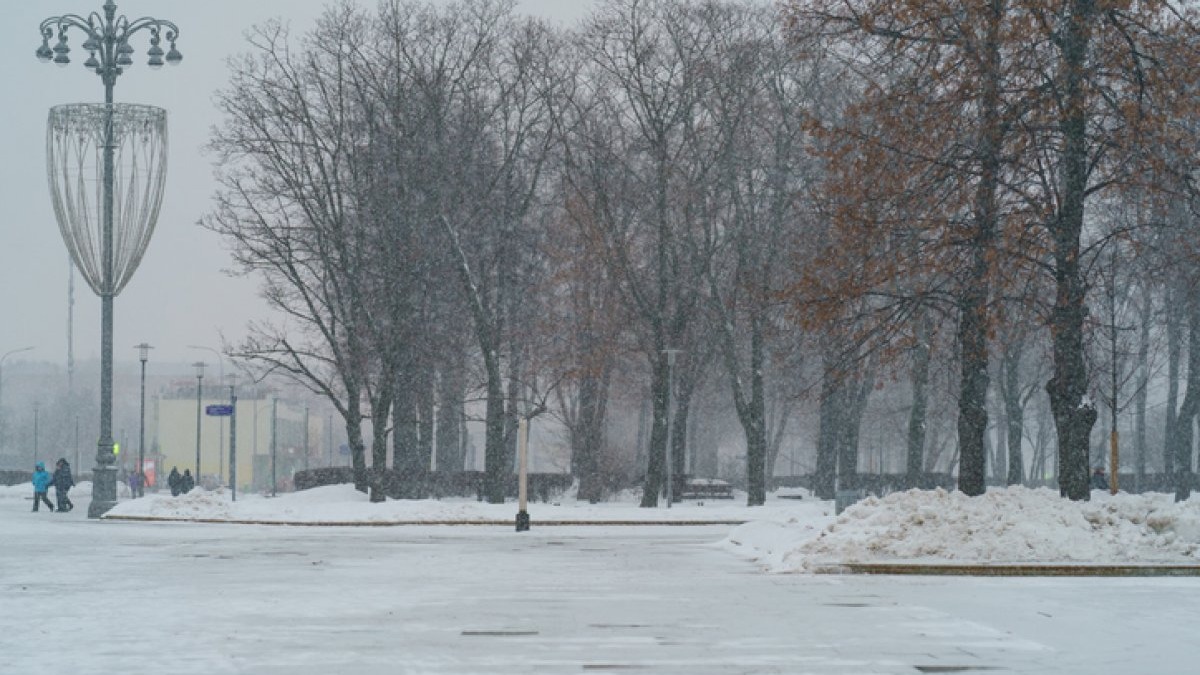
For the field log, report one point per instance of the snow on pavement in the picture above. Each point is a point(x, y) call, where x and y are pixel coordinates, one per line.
point(1005, 525)
point(344, 504)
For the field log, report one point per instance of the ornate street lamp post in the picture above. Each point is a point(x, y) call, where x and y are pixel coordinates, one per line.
point(143, 356)
point(199, 365)
point(107, 239)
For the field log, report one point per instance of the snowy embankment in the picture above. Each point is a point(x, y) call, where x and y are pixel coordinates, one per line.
point(345, 505)
point(82, 489)
point(1011, 525)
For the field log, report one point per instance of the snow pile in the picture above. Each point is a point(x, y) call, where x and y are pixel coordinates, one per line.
point(344, 504)
point(1011, 525)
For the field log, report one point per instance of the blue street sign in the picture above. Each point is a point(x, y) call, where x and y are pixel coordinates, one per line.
point(218, 410)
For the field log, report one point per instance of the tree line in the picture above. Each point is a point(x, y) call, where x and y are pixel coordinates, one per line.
point(732, 205)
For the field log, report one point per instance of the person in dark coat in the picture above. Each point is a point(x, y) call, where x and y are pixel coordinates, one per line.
point(187, 482)
point(135, 483)
point(41, 485)
point(1099, 480)
point(63, 482)
point(175, 481)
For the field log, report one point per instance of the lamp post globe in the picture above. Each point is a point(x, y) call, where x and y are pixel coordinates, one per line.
point(106, 256)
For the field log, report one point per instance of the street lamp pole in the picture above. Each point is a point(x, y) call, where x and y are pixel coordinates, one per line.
point(199, 366)
point(107, 38)
point(274, 431)
point(233, 443)
point(2, 358)
point(220, 420)
point(143, 356)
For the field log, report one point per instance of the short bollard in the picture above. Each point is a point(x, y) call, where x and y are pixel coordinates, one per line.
point(522, 521)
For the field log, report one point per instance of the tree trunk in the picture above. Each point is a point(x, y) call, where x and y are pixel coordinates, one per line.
point(512, 412)
point(1014, 413)
point(974, 297)
point(588, 437)
point(425, 417)
point(656, 452)
point(405, 450)
point(495, 470)
point(450, 413)
point(1073, 416)
point(354, 438)
point(755, 424)
point(852, 405)
point(1174, 314)
point(380, 407)
point(1182, 434)
point(1143, 387)
point(920, 403)
point(830, 411)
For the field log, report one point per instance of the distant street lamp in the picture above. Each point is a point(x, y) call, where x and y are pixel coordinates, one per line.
point(274, 443)
point(107, 233)
point(2, 358)
point(233, 442)
point(143, 356)
point(220, 420)
point(199, 366)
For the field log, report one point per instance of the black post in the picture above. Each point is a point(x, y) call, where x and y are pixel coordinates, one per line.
point(233, 443)
point(274, 423)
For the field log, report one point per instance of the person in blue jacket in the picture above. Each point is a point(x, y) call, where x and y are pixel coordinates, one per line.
point(63, 482)
point(41, 485)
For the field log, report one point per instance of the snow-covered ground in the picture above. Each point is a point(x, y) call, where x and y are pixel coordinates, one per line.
point(344, 504)
point(94, 597)
point(792, 532)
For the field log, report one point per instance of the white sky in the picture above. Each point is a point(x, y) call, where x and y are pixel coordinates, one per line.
point(180, 295)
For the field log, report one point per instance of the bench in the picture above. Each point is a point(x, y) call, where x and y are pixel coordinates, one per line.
point(705, 488)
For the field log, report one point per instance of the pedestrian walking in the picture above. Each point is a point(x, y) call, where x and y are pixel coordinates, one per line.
point(41, 485)
point(135, 483)
point(63, 482)
point(187, 482)
point(175, 481)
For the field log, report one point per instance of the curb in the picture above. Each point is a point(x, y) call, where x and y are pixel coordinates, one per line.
point(402, 523)
point(1011, 570)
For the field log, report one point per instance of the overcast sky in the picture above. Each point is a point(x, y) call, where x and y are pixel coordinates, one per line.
point(181, 294)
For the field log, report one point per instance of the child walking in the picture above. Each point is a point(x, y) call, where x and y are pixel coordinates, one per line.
point(41, 485)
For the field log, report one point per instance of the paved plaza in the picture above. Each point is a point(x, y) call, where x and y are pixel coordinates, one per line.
point(82, 596)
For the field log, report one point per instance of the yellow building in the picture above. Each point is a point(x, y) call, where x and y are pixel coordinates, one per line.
point(174, 429)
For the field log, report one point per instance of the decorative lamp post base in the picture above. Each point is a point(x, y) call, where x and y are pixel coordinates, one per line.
point(522, 521)
point(104, 491)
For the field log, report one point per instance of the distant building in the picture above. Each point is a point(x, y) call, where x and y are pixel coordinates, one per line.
point(174, 434)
